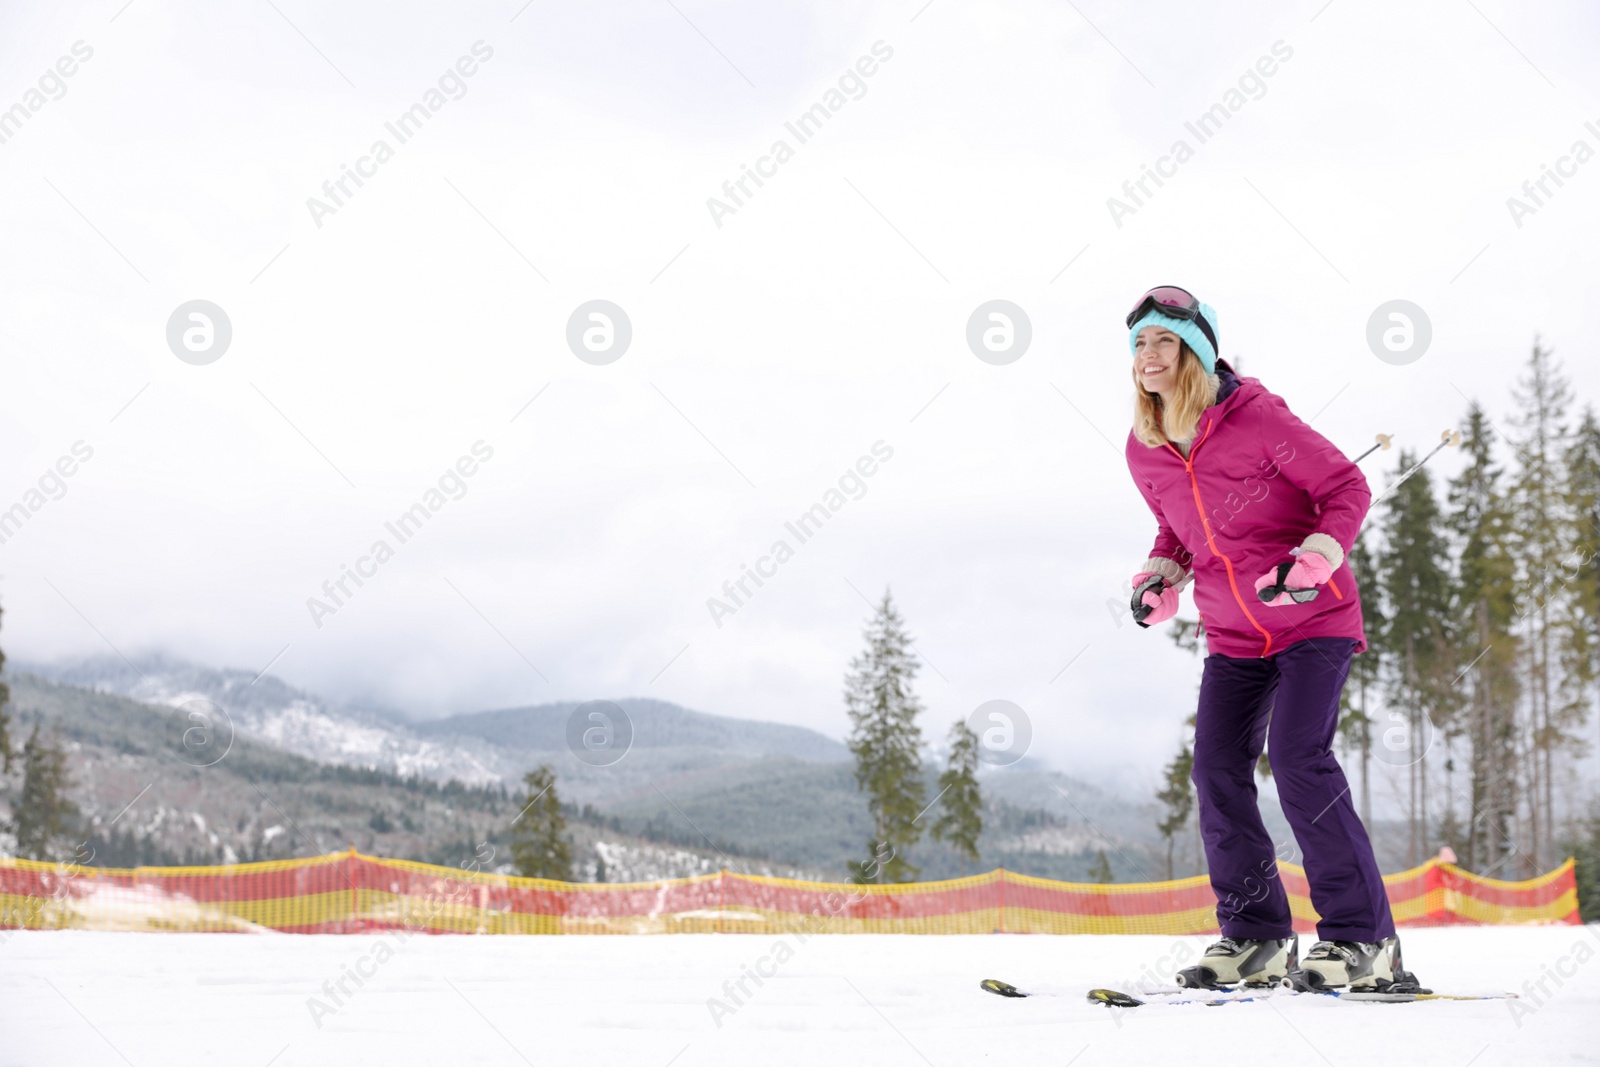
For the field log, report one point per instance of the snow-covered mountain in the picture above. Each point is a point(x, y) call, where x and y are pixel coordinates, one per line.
point(143, 800)
point(782, 796)
point(475, 748)
point(266, 709)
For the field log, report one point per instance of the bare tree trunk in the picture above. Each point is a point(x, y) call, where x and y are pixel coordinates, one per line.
point(1411, 767)
point(1479, 733)
point(1366, 760)
point(1548, 747)
point(1424, 844)
point(1538, 715)
point(1530, 787)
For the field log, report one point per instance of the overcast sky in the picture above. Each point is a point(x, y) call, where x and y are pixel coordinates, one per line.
point(377, 337)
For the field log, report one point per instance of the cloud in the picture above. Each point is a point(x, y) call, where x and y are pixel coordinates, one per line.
point(832, 315)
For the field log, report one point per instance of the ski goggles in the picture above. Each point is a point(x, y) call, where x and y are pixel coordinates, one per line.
point(1175, 303)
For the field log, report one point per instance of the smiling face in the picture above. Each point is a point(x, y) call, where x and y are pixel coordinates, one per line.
point(1155, 359)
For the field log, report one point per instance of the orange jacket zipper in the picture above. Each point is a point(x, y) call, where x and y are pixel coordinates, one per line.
point(1205, 524)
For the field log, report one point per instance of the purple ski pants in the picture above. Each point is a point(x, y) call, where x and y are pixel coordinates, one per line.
point(1297, 690)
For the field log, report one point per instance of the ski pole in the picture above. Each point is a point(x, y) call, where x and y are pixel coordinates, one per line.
point(1384, 441)
point(1448, 439)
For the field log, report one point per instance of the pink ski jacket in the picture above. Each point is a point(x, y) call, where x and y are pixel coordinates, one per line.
point(1256, 483)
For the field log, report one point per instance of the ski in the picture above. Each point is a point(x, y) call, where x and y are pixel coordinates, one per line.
point(1114, 999)
point(1002, 989)
point(1403, 998)
point(1176, 995)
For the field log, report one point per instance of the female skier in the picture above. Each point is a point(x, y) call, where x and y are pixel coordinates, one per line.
point(1258, 509)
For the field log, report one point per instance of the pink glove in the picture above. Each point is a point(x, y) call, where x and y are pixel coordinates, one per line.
point(1310, 569)
point(1163, 605)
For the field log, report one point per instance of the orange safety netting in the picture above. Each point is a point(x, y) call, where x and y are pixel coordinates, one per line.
point(352, 893)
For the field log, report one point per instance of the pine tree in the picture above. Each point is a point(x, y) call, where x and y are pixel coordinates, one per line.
point(1486, 593)
point(887, 745)
point(1580, 623)
point(1186, 634)
point(1101, 871)
point(1355, 728)
point(960, 803)
point(1190, 637)
point(6, 753)
point(540, 847)
point(1414, 570)
point(1177, 795)
point(1544, 537)
point(44, 819)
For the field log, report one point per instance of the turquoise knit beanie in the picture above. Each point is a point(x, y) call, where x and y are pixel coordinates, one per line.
point(1184, 328)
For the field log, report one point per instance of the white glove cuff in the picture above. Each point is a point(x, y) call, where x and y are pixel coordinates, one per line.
point(1167, 568)
point(1326, 547)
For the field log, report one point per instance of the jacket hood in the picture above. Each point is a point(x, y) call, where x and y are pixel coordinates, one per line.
point(1234, 393)
point(1230, 380)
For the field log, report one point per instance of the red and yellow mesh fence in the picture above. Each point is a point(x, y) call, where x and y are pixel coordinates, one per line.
point(353, 893)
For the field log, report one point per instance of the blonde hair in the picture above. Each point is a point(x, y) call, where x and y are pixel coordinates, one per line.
point(1153, 422)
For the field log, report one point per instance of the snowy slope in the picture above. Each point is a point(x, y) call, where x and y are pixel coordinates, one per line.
point(475, 748)
point(266, 709)
point(179, 999)
point(692, 782)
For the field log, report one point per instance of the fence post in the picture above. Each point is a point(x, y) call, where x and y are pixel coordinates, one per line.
point(1436, 894)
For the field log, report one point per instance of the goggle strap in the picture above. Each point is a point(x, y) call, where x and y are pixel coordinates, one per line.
point(1149, 303)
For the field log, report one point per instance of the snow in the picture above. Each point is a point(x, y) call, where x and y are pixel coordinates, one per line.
point(627, 862)
point(1054, 841)
point(142, 908)
point(180, 999)
point(307, 729)
point(282, 717)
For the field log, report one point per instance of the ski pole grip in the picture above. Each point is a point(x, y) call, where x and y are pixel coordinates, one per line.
point(1271, 592)
point(1141, 611)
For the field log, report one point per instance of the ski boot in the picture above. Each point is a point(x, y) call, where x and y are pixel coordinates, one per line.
point(1355, 965)
point(1235, 959)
